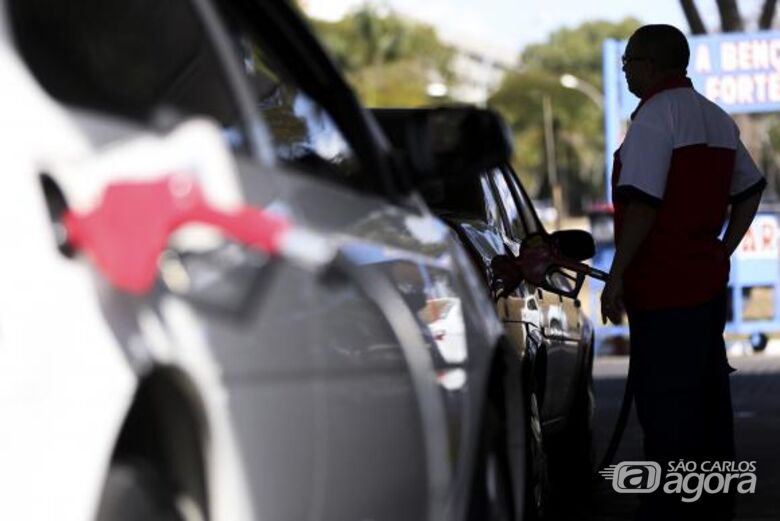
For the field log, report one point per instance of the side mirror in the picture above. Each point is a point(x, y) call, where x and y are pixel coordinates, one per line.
point(446, 141)
point(576, 245)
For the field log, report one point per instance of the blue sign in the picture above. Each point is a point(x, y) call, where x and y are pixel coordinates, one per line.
point(738, 71)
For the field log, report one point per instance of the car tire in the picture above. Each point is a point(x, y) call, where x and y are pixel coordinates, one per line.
point(491, 495)
point(537, 481)
point(136, 490)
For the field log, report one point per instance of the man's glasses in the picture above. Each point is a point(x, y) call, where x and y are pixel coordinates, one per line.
point(628, 59)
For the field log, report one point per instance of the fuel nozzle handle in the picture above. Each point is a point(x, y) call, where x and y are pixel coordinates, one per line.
point(534, 262)
point(581, 267)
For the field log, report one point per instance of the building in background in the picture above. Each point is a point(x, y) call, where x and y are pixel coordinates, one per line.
point(478, 66)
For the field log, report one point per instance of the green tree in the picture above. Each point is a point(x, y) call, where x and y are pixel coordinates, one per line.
point(388, 59)
point(579, 135)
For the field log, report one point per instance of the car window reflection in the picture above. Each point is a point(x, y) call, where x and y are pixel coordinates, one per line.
point(302, 131)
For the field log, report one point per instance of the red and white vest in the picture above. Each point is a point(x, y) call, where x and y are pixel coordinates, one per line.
point(682, 154)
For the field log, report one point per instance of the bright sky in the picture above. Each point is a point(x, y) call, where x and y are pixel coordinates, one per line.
point(514, 23)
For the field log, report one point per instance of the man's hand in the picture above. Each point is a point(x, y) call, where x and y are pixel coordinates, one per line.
point(612, 300)
point(742, 214)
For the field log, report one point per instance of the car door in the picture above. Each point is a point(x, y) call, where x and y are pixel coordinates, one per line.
point(574, 327)
point(551, 318)
point(517, 309)
point(395, 342)
point(472, 210)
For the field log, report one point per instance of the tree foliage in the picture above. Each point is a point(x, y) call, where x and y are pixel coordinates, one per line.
point(388, 59)
point(579, 135)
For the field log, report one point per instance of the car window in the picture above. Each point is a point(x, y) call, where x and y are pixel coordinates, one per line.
point(527, 211)
point(136, 59)
point(507, 201)
point(460, 195)
point(303, 132)
point(493, 214)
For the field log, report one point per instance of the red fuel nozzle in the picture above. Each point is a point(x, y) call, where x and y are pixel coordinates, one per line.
point(125, 234)
point(538, 258)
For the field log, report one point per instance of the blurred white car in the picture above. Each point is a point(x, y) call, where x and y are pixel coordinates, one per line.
point(210, 281)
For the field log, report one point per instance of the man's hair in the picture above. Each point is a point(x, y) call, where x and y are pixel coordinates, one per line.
point(665, 44)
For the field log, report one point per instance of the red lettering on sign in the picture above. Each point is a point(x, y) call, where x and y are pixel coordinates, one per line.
point(767, 236)
point(748, 243)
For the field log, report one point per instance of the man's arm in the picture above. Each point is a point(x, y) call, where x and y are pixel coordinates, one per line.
point(742, 214)
point(637, 221)
point(747, 183)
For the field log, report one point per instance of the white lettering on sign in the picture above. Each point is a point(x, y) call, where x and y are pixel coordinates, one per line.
point(760, 54)
point(702, 61)
point(738, 71)
point(728, 89)
point(761, 81)
point(760, 241)
point(747, 55)
point(743, 88)
point(728, 56)
point(774, 53)
point(744, 56)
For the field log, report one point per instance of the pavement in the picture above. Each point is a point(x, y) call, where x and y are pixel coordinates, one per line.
point(755, 389)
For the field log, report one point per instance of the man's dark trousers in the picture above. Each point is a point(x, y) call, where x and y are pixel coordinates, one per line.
point(680, 376)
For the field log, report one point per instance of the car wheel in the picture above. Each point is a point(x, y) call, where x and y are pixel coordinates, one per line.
point(491, 490)
point(136, 490)
point(537, 477)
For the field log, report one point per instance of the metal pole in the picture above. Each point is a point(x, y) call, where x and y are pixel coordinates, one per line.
point(610, 62)
point(552, 166)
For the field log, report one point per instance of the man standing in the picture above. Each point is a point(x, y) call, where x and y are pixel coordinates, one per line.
point(679, 168)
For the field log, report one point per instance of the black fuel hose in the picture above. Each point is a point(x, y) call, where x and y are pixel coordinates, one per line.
point(620, 424)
